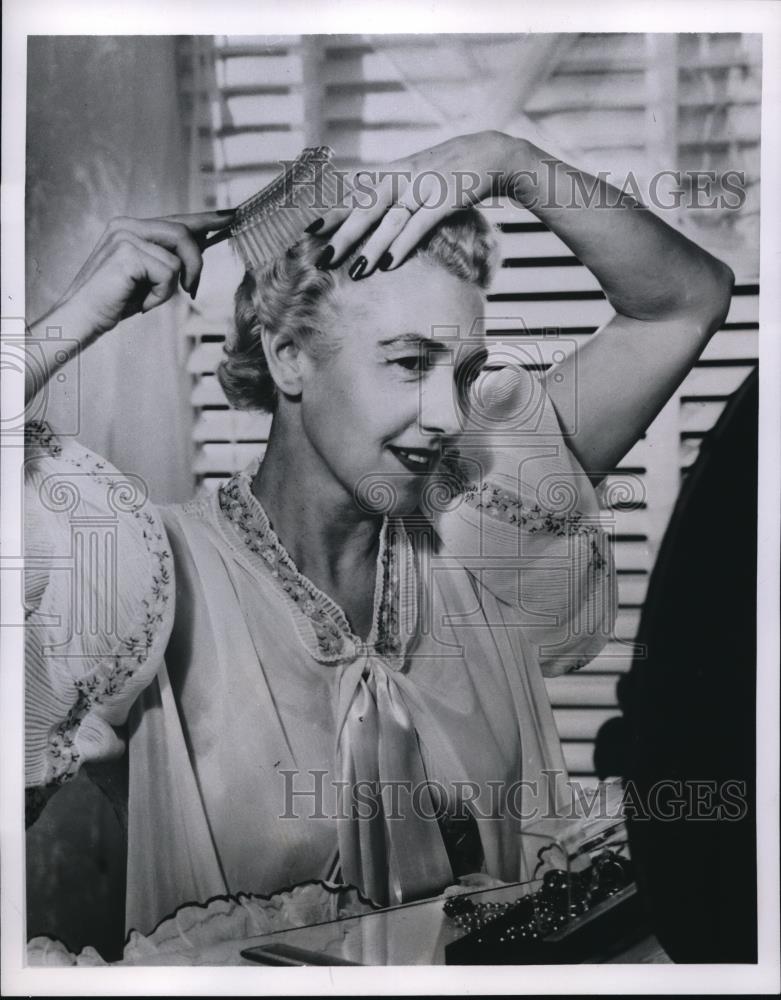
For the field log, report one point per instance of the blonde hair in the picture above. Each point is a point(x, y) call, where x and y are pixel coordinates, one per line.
point(291, 294)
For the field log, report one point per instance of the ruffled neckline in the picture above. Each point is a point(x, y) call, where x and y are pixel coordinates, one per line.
point(321, 623)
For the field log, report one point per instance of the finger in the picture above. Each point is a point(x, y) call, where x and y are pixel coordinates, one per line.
point(360, 222)
point(436, 203)
point(359, 193)
point(328, 222)
point(396, 221)
point(408, 238)
point(393, 224)
point(173, 236)
point(413, 199)
point(109, 246)
point(188, 283)
point(151, 270)
point(153, 276)
point(366, 191)
point(204, 222)
point(155, 250)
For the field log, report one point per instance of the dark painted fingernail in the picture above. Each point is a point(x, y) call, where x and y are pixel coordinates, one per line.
point(324, 259)
point(357, 268)
point(313, 227)
point(194, 287)
point(385, 261)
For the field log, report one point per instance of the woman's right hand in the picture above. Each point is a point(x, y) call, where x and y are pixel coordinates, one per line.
point(136, 266)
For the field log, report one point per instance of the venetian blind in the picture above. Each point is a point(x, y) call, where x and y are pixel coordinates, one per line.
point(262, 100)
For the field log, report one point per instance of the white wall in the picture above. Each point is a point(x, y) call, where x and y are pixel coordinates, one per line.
point(104, 138)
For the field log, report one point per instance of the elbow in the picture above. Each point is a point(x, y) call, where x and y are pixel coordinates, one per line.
point(724, 285)
point(714, 296)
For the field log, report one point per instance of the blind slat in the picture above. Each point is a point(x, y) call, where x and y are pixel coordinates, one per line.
point(572, 689)
point(582, 723)
point(596, 97)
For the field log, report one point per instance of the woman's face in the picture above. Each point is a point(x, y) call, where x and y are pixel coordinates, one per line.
point(379, 408)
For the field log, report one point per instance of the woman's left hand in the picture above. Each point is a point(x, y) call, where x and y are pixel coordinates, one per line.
point(408, 197)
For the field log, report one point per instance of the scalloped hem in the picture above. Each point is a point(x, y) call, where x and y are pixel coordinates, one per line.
point(206, 933)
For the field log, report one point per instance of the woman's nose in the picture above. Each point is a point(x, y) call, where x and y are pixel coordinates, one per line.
point(440, 410)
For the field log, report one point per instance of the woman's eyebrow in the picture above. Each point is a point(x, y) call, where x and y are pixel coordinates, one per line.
point(434, 346)
point(415, 339)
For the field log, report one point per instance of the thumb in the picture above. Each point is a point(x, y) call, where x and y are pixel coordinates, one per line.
point(155, 297)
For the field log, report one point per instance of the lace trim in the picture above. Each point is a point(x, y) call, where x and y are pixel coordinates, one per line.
point(104, 684)
point(328, 636)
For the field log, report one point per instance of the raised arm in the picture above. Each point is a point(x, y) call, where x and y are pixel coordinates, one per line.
point(97, 627)
point(135, 266)
point(669, 294)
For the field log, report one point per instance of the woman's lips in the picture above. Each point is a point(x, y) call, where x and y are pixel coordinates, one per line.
point(416, 459)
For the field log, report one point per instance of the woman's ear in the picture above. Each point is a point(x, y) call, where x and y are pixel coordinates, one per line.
point(285, 358)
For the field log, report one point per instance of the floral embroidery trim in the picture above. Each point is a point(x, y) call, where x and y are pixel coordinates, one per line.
point(507, 507)
point(333, 637)
point(38, 434)
point(94, 689)
point(97, 687)
point(331, 633)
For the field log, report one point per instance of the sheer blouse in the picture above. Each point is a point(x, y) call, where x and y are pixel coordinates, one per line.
point(268, 744)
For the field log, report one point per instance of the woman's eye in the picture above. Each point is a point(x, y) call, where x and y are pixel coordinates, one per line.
point(413, 363)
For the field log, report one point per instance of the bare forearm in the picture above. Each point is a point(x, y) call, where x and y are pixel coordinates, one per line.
point(647, 270)
point(48, 354)
point(669, 295)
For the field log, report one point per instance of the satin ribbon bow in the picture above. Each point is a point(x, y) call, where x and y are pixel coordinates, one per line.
point(390, 843)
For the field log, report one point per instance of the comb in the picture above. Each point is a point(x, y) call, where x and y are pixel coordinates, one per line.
point(275, 218)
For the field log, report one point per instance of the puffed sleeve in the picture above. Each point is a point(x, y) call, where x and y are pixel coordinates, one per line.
point(526, 521)
point(99, 603)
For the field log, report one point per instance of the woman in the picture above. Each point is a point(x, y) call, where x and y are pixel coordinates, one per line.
point(330, 670)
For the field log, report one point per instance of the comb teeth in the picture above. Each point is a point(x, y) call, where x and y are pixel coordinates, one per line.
point(272, 220)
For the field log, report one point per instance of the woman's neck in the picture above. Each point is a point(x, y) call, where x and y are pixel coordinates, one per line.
point(315, 518)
